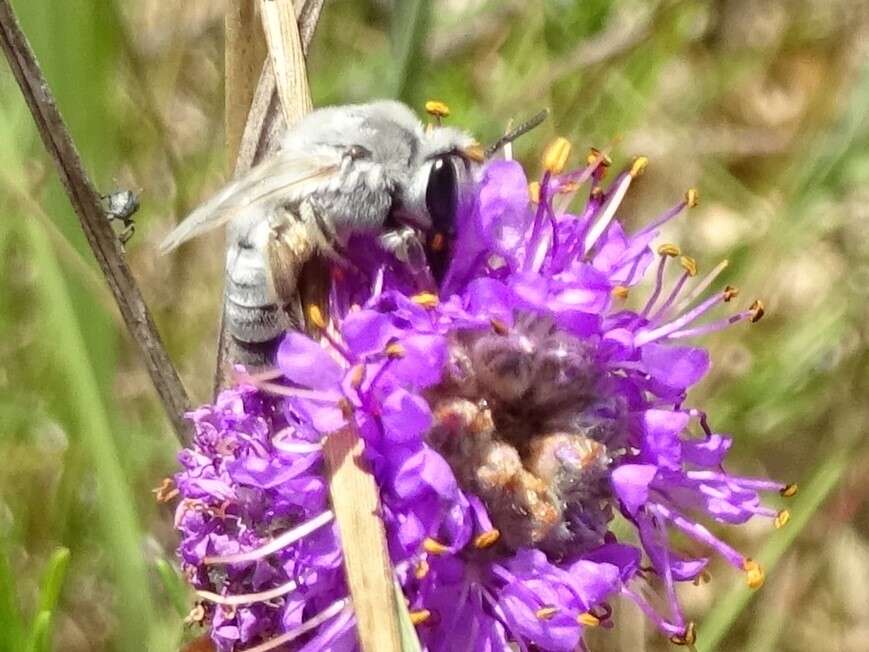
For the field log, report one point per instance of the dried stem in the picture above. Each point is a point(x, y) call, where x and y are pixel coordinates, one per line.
point(87, 204)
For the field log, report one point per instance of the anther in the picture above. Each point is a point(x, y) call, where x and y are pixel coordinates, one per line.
point(669, 250)
point(437, 109)
point(588, 620)
point(546, 613)
point(689, 265)
point(166, 491)
point(620, 292)
point(196, 615)
point(425, 299)
point(487, 539)
point(475, 152)
point(639, 166)
point(555, 155)
point(702, 578)
point(315, 316)
point(346, 408)
point(438, 241)
point(597, 156)
point(692, 197)
point(688, 637)
point(754, 574)
point(419, 616)
point(357, 375)
point(434, 547)
point(395, 351)
point(757, 311)
point(730, 293)
point(782, 519)
point(534, 191)
point(421, 570)
point(789, 490)
point(596, 192)
point(499, 327)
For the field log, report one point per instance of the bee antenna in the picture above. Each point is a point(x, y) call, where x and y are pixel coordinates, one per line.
point(514, 133)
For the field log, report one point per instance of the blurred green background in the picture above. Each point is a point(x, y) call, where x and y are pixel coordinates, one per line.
point(762, 104)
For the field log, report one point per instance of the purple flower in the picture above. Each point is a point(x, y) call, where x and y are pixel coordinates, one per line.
point(507, 419)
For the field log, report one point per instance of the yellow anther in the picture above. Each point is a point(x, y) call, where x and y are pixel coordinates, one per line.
point(782, 518)
point(196, 615)
point(487, 539)
point(425, 299)
point(730, 293)
point(692, 197)
point(421, 570)
point(395, 351)
point(315, 316)
point(534, 191)
point(620, 292)
point(596, 192)
point(419, 616)
point(499, 327)
point(475, 152)
point(588, 620)
point(357, 375)
point(595, 156)
point(639, 166)
point(434, 547)
point(555, 155)
point(757, 309)
point(789, 490)
point(437, 109)
point(669, 250)
point(688, 637)
point(689, 265)
point(545, 613)
point(346, 408)
point(754, 575)
point(166, 491)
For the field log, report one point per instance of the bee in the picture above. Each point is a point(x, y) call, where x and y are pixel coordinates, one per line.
point(344, 170)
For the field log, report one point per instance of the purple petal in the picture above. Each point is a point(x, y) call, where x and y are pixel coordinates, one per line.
point(675, 366)
point(308, 364)
point(406, 417)
point(631, 483)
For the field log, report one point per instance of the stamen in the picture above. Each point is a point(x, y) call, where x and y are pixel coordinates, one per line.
point(315, 316)
point(689, 265)
point(730, 293)
point(609, 210)
point(782, 519)
point(166, 491)
point(425, 299)
point(686, 638)
point(701, 286)
point(597, 157)
point(700, 533)
point(395, 351)
point(677, 288)
point(789, 490)
point(639, 166)
point(546, 613)
point(646, 336)
point(555, 155)
point(757, 309)
point(588, 620)
point(437, 109)
point(499, 327)
point(196, 615)
point(276, 544)
point(659, 282)
point(713, 327)
point(357, 376)
point(487, 539)
point(534, 191)
point(620, 292)
point(434, 547)
point(754, 574)
point(312, 623)
point(248, 598)
point(422, 569)
point(419, 616)
point(324, 395)
point(692, 197)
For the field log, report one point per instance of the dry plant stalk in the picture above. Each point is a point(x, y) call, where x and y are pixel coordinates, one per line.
point(87, 204)
point(281, 98)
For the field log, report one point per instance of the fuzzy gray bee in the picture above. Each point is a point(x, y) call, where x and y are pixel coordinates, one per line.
point(367, 168)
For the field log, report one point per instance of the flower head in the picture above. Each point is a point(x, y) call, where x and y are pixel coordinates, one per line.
point(509, 416)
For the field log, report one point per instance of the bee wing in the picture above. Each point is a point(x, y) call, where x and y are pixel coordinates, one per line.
point(290, 175)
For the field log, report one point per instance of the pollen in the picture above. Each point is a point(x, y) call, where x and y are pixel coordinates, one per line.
point(692, 197)
point(425, 299)
point(620, 292)
point(587, 619)
point(534, 191)
point(639, 166)
point(782, 519)
point(315, 316)
point(419, 616)
point(671, 250)
point(475, 152)
point(487, 539)
point(357, 375)
point(166, 491)
point(730, 293)
point(545, 613)
point(395, 351)
point(434, 547)
point(555, 155)
point(789, 490)
point(421, 570)
point(754, 574)
point(757, 311)
point(437, 109)
point(689, 265)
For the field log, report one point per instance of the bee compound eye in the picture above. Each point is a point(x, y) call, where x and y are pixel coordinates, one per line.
point(441, 200)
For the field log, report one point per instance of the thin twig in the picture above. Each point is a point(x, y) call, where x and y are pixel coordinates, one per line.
point(88, 207)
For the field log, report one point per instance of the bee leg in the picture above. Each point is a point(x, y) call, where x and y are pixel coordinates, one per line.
point(404, 243)
point(328, 242)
